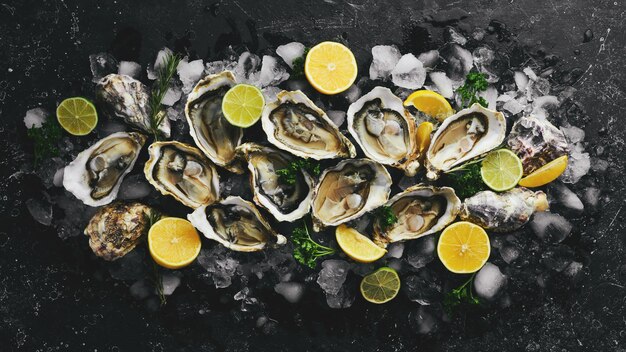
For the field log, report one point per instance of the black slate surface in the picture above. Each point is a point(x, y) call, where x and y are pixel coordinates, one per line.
point(53, 297)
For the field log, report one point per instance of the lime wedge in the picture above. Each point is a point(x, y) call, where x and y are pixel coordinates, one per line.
point(380, 286)
point(77, 116)
point(242, 105)
point(501, 170)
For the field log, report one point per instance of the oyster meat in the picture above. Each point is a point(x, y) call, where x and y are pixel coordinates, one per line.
point(464, 136)
point(349, 190)
point(503, 212)
point(537, 142)
point(384, 129)
point(182, 171)
point(215, 136)
point(421, 210)
point(95, 175)
point(285, 201)
point(116, 229)
point(128, 99)
point(236, 224)
point(295, 124)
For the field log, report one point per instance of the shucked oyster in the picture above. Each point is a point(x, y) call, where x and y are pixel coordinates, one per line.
point(95, 175)
point(295, 124)
point(349, 190)
point(236, 224)
point(421, 210)
point(287, 202)
point(127, 98)
point(182, 171)
point(463, 136)
point(384, 129)
point(215, 136)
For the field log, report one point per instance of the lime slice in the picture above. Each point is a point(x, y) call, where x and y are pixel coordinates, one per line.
point(242, 105)
point(380, 286)
point(77, 116)
point(501, 170)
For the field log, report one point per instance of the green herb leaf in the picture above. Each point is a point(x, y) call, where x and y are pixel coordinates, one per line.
point(386, 217)
point(474, 82)
point(290, 173)
point(459, 295)
point(466, 180)
point(161, 85)
point(297, 70)
point(45, 139)
point(305, 250)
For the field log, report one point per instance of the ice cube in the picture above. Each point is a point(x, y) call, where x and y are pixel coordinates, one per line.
point(40, 210)
point(557, 258)
point(57, 179)
point(169, 283)
point(578, 165)
point(35, 118)
point(342, 299)
point(489, 281)
point(292, 291)
point(395, 250)
point(172, 95)
point(429, 58)
point(384, 59)
point(491, 96)
point(530, 73)
point(409, 72)
point(352, 94)
point(573, 133)
point(132, 266)
point(422, 288)
point(134, 187)
point(452, 35)
point(290, 51)
point(49, 169)
point(513, 106)
point(102, 64)
point(214, 67)
point(421, 251)
point(509, 253)
point(218, 262)
point(566, 197)
point(270, 93)
point(129, 68)
point(338, 117)
point(424, 319)
point(333, 275)
point(141, 289)
point(483, 56)
point(272, 72)
point(158, 63)
point(247, 68)
point(443, 84)
point(521, 80)
point(573, 270)
point(189, 73)
point(459, 61)
point(109, 127)
point(550, 227)
point(592, 196)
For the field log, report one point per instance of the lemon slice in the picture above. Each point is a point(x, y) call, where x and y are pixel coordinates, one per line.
point(380, 286)
point(423, 136)
point(77, 116)
point(242, 105)
point(173, 242)
point(545, 174)
point(501, 170)
point(463, 247)
point(357, 246)
point(430, 103)
point(330, 67)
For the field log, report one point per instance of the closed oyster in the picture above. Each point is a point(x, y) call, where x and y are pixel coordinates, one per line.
point(285, 201)
point(384, 129)
point(295, 124)
point(96, 174)
point(128, 99)
point(183, 172)
point(537, 142)
point(236, 224)
point(115, 229)
point(349, 190)
point(215, 136)
point(502, 212)
point(463, 136)
point(421, 210)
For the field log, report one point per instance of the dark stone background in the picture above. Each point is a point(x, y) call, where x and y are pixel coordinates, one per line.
point(53, 298)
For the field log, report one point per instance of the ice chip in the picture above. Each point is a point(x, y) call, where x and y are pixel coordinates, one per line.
point(129, 68)
point(134, 187)
point(57, 179)
point(429, 58)
point(102, 64)
point(459, 61)
point(578, 165)
point(220, 266)
point(141, 289)
point(573, 133)
point(395, 250)
point(40, 210)
point(189, 73)
point(172, 95)
point(108, 127)
point(422, 288)
point(421, 251)
point(550, 227)
point(272, 72)
point(592, 196)
point(338, 117)
point(573, 270)
point(409, 72)
point(270, 93)
point(509, 253)
point(557, 258)
point(290, 51)
point(424, 320)
point(566, 197)
point(35, 118)
point(247, 68)
point(384, 59)
point(521, 80)
point(158, 63)
point(344, 298)
point(513, 106)
point(443, 84)
point(489, 281)
point(292, 291)
point(491, 96)
point(169, 283)
point(333, 275)
point(352, 94)
point(452, 35)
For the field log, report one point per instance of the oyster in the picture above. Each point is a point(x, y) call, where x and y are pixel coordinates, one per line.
point(421, 210)
point(536, 142)
point(95, 175)
point(182, 171)
point(349, 190)
point(295, 124)
point(286, 202)
point(463, 136)
point(215, 136)
point(236, 224)
point(128, 99)
point(117, 228)
point(384, 129)
point(502, 212)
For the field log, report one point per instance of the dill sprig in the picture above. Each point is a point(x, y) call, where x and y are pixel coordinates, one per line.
point(159, 89)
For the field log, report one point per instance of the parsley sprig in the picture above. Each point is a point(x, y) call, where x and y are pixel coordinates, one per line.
point(461, 294)
point(466, 179)
point(305, 250)
point(45, 139)
point(298, 65)
point(164, 77)
point(386, 217)
point(475, 82)
point(290, 173)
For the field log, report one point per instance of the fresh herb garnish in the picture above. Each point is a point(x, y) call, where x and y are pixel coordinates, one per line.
point(152, 216)
point(305, 250)
point(466, 179)
point(298, 65)
point(45, 139)
point(161, 85)
point(290, 173)
point(386, 217)
point(461, 294)
point(474, 82)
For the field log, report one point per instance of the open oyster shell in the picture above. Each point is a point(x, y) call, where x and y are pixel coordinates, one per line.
point(421, 210)
point(349, 190)
point(384, 129)
point(295, 124)
point(236, 224)
point(463, 136)
point(215, 136)
point(183, 172)
point(286, 202)
point(96, 174)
